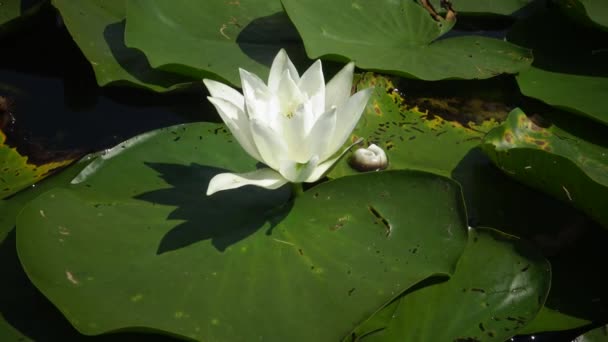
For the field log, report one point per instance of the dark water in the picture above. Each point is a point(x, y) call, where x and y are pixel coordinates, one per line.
point(58, 105)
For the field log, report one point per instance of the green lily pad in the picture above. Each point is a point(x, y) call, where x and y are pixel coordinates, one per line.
point(569, 73)
point(98, 28)
point(11, 10)
point(16, 173)
point(596, 335)
point(412, 138)
point(239, 264)
point(10, 207)
point(595, 11)
point(473, 305)
point(552, 320)
point(553, 160)
point(440, 135)
point(9, 334)
point(211, 38)
point(399, 37)
point(503, 7)
point(26, 315)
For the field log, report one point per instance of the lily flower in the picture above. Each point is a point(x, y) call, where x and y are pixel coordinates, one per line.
point(294, 124)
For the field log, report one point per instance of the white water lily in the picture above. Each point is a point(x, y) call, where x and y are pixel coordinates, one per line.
point(294, 124)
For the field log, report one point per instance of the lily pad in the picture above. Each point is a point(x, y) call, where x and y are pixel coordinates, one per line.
point(595, 11)
point(492, 305)
point(211, 38)
point(399, 37)
point(10, 207)
point(412, 138)
point(569, 73)
point(553, 160)
point(503, 7)
point(596, 335)
point(552, 320)
point(16, 173)
point(98, 28)
point(316, 266)
point(442, 135)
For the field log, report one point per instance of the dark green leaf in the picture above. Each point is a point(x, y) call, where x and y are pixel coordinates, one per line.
point(570, 69)
point(399, 37)
point(499, 286)
point(98, 27)
point(553, 160)
point(211, 38)
point(595, 11)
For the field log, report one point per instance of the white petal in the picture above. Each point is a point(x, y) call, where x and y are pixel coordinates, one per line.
point(338, 88)
point(347, 118)
point(298, 172)
point(265, 178)
point(321, 134)
point(257, 96)
point(312, 84)
point(280, 63)
point(270, 144)
point(325, 166)
point(294, 132)
point(289, 95)
point(222, 91)
point(238, 123)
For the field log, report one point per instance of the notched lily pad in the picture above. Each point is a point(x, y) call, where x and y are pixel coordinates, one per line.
point(399, 37)
point(553, 160)
point(98, 27)
point(212, 38)
point(473, 305)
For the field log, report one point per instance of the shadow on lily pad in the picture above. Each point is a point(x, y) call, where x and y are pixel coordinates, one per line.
point(135, 62)
point(225, 217)
point(263, 37)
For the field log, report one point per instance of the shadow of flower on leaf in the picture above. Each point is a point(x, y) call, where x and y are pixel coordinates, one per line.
point(224, 218)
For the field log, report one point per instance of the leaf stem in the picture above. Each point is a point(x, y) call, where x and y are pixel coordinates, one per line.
point(296, 190)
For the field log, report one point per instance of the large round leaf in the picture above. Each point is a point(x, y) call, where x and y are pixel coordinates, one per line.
point(240, 264)
point(399, 37)
point(98, 28)
point(553, 160)
point(568, 72)
point(211, 38)
point(500, 284)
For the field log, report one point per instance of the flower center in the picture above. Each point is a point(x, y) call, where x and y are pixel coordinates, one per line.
point(291, 108)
